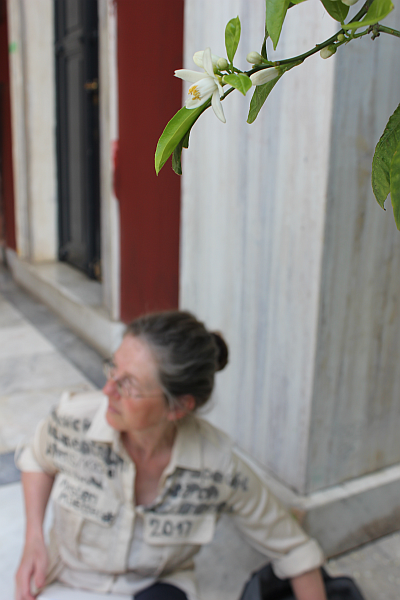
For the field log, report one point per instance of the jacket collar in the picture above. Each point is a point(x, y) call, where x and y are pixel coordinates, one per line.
point(100, 430)
point(186, 452)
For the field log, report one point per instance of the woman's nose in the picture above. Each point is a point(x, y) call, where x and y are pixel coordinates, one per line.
point(110, 388)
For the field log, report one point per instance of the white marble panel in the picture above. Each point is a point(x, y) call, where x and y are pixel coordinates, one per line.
point(31, 32)
point(38, 372)
point(356, 403)
point(39, 74)
point(18, 122)
point(108, 105)
point(12, 529)
point(71, 282)
point(12, 524)
point(73, 297)
point(9, 316)
point(253, 218)
point(20, 340)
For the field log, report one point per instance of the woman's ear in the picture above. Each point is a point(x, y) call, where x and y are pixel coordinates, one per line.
point(186, 405)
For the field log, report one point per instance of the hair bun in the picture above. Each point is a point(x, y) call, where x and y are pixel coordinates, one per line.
point(223, 352)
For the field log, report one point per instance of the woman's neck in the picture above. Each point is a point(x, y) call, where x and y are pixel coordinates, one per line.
point(150, 443)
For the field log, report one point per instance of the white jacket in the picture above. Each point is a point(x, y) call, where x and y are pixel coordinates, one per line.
point(101, 541)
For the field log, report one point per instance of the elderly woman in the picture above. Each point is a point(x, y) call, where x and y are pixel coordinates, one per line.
point(138, 481)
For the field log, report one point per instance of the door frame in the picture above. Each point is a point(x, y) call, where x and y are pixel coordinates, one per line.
point(33, 93)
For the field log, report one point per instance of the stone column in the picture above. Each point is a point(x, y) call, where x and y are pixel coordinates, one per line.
point(285, 250)
point(32, 77)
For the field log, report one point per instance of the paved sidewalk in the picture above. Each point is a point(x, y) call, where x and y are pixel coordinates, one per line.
point(39, 357)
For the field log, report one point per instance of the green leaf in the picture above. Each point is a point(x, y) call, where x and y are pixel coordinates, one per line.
point(260, 95)
point(275, 13)
point(262, 92)
point(336, 9)
point(294, 2)
point(177, 153)
point(378, 10)
point(241, 82)
point(395, 185)
point(174, 132)
point(232, 37)
point(264, 45)
point(384, 151)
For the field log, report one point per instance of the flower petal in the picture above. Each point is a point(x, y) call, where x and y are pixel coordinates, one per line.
point(198, 59)
point(207, 62)
point(196, 102)
point(217, 106)
point(191, 76)
point(220, 90)
point(263, 76)
point(204, 87)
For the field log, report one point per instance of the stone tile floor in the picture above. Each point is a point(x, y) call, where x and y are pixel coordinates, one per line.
point(39, 357)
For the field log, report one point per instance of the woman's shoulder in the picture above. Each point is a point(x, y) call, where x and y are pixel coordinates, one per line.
point(211, 432)
point(215, 444)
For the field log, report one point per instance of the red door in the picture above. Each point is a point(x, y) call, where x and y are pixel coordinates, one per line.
point(150, 43)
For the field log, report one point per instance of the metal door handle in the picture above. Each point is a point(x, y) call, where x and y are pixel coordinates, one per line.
point(91, 86)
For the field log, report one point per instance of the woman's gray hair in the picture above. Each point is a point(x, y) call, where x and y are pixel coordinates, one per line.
point(186, 353)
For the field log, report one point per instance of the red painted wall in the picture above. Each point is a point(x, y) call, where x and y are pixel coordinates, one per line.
point(6, 182)
point(150, 42)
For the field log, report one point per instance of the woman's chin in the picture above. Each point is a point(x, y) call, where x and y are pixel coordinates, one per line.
point(112, 418)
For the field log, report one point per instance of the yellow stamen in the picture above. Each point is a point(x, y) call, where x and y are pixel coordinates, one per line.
point(194, 91)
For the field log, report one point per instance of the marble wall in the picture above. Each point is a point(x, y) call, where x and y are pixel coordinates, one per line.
point(279, 229)
point(32, 71)
point(108, 106)
point(356, 398)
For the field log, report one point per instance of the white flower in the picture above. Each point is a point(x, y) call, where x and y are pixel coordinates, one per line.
point(205, 85)
point(264, 75)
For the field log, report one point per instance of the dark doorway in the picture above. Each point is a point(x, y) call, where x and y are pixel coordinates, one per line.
point(76, 47)
point(7, 221)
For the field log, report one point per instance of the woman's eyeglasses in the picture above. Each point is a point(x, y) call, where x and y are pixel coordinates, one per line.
point(126, 387)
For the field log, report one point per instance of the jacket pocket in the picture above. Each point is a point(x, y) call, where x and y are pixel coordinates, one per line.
point(90, 503)
point(84, 524)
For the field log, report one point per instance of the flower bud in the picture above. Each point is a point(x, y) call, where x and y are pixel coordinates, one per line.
point(327, 52)
point(254, 58)
point(349, 2)
point(341, 37)
point(222, 64)
point(264, 75)
point(198, 59)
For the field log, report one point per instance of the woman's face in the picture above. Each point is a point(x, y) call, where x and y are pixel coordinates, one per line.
point(136, 372)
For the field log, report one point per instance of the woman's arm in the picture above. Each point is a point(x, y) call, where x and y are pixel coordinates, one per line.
point(37, 488)
point(309, 586)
